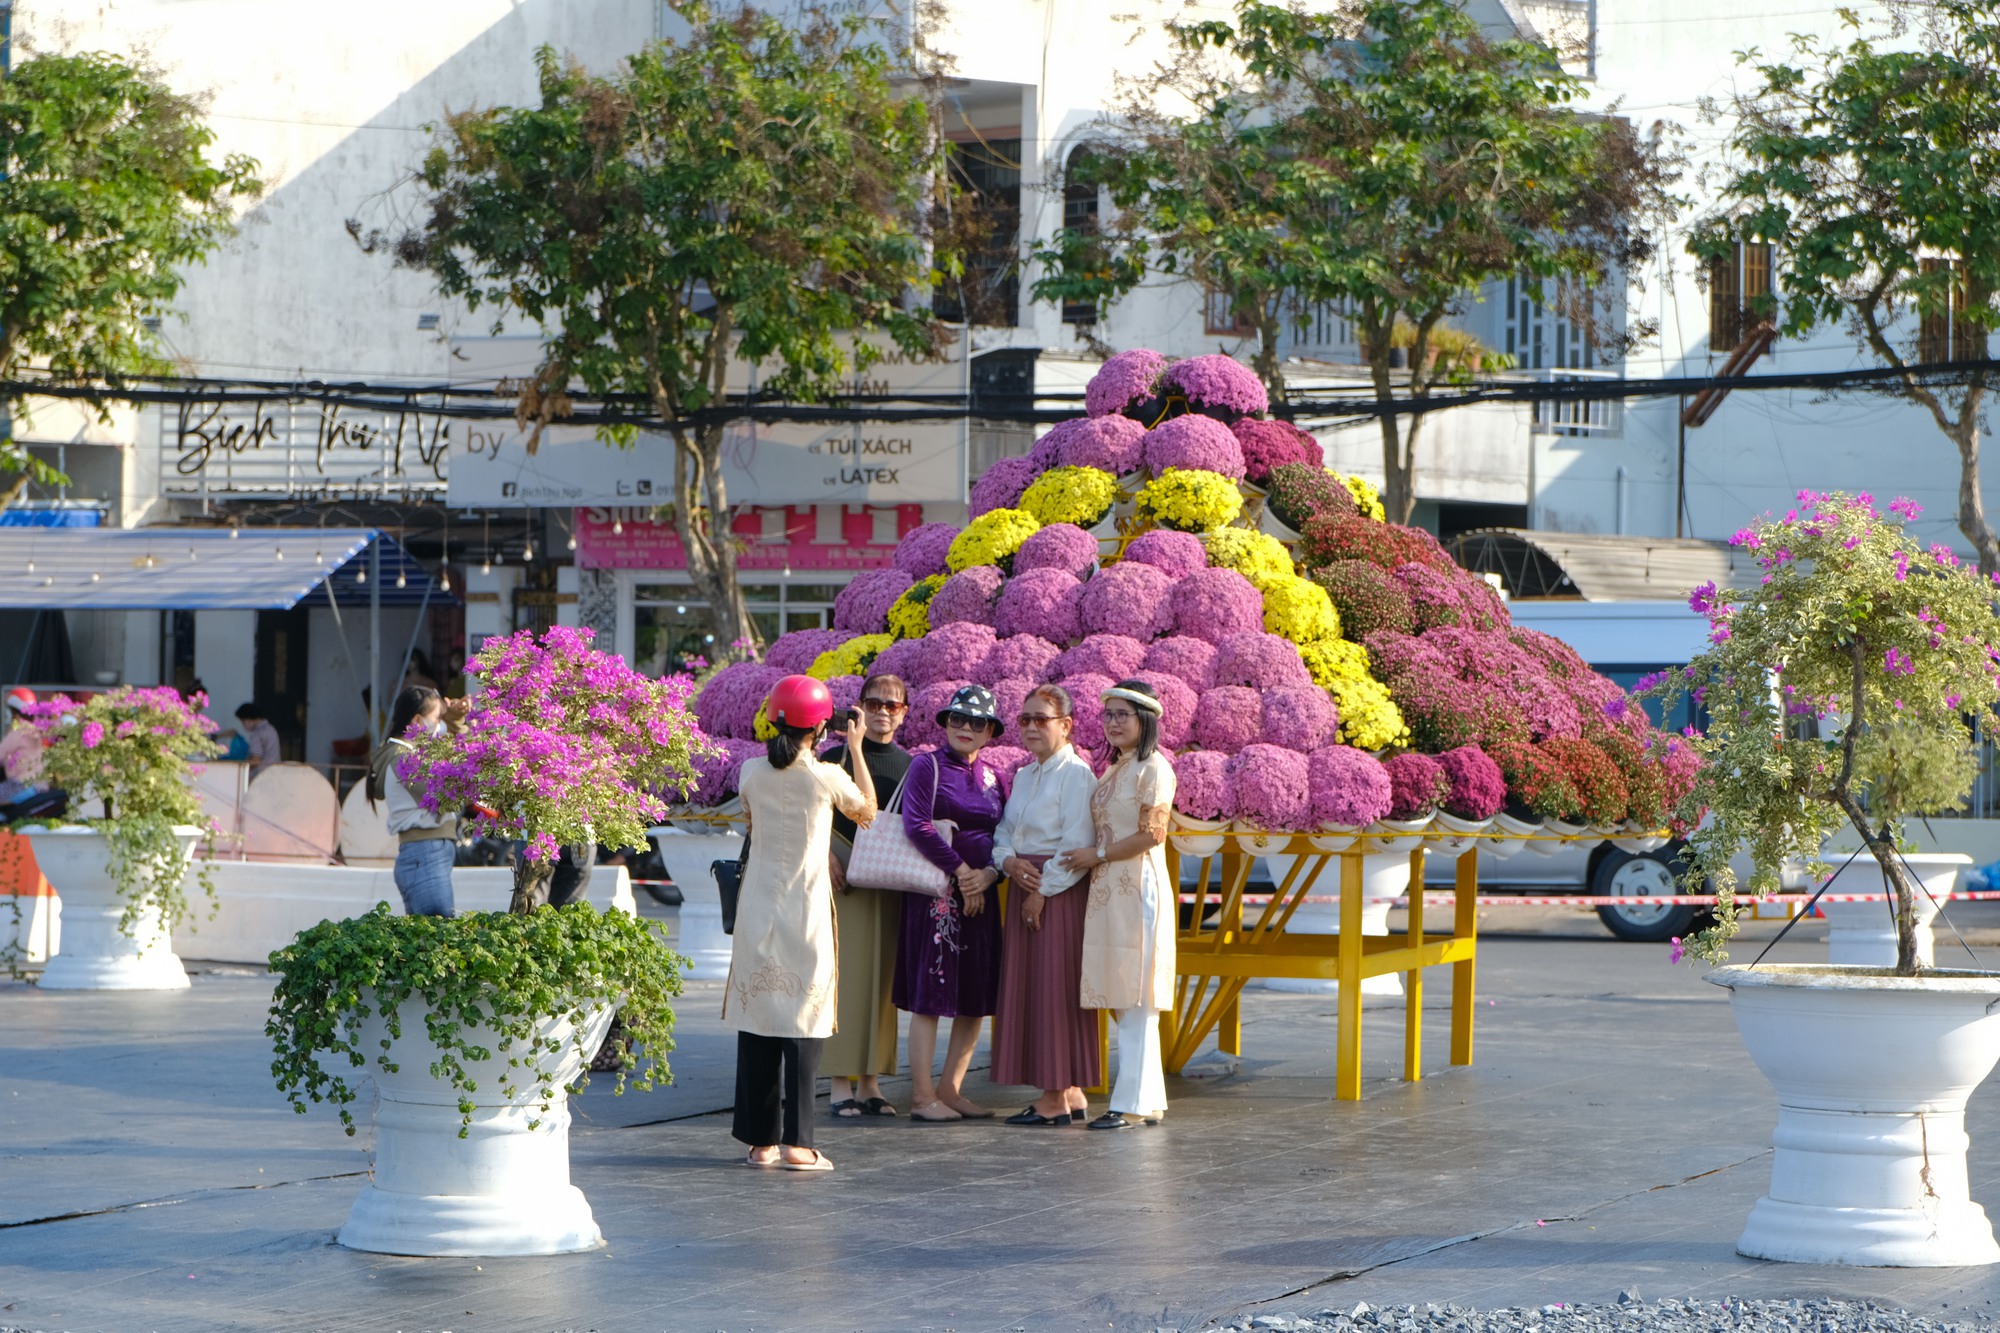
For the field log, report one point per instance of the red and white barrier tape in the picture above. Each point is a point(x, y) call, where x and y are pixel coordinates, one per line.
point(1584, 900)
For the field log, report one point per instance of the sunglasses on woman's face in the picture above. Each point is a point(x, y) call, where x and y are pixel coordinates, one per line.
point(965, 720)
point(883, 705)
point(1038, 719)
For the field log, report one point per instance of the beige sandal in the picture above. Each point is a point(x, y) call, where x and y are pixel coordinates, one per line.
point(819, 1162)
point(919, 1113)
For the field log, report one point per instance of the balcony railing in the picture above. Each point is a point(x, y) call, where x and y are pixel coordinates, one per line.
point(1591, 416)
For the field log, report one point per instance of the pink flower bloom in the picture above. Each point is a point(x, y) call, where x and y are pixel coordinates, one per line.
point(1108, 443)
point(1178, 701)
point(1126, 378)
point(1128, 598)
point(862, 607)
point(727, 705)
point(1023, 656)
point(1478, 789)
point(1269, 788)
point(1085, 690)
point(1228, 717)
point(1704, 599)
point(1001, 485)
point(1113, 655)
point(1417, 784)
point(1062, 546)
point(921, 553)
point(1177, 554)
point(1747, 538)
point(92, 735)
point(1215, 604)
point(1261, 661)
point(1201, 784)
point(1348, 787)
point(1195, 443)
point(1299, 717)
point(1269, 444)
point(793, 653)
point(1218, 382)
point(967, 596)
point(1185, 658)
point(1897, 663)
point(1042, 602)
point(900, 658)
point(1678, 950)
point(1905, 508)
point(953, 652)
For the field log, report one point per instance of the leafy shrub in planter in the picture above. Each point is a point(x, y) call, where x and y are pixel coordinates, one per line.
point(1601, 797)
point(1367, 597)
point(1329, 538)
point(472, 974)
point(1298, 493)
point(1537, 785)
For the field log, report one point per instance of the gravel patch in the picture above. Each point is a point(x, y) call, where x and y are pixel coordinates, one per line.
point(1630, 1315)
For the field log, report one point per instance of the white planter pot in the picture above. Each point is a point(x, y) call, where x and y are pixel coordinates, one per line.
point(1383, 878)
point(1638, 838)
point(1202, 838)
point(1516, 834)
point(1864, 934)
point(700, 939)
point(1260, 842)
point(94, 953)
point(1872, 1074)
point(1335, 838)
point(1397, 835)
point(1462, 831)
point(503, 1189)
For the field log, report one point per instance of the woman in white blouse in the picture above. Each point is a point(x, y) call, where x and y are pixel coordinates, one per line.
point(1042, 1037)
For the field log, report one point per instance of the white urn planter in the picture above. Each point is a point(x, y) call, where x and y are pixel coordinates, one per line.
point(1872, 1074)
point(1198, 838)
point(1513, 836)
point(687, 857)
point(1384, 878)
point(504, 1189)
point(1864, 934)
point(94, 953)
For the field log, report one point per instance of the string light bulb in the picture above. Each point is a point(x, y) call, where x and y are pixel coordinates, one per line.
point(618, 527)
point(361, 576)
point(401, 580)
point(528, 550)
point(280, 552)
point(234, 532)
point(572, 541)
point(485, 564)
point(31, 566)
point(444, 580)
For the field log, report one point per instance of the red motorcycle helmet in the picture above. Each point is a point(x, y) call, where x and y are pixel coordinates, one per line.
point(799, 701)
point(19, 698)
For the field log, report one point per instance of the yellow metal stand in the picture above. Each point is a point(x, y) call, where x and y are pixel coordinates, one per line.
point(1217, 959)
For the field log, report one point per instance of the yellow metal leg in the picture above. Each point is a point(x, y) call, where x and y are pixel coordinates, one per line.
point(1413, 980)
point(1103, 1086)
point(1465, 925)
point(1347, 1059)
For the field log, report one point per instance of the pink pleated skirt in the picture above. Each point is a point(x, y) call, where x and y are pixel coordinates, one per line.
point(1042, 1037)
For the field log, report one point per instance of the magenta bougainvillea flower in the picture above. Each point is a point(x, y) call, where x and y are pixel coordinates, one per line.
point(1196, 444)
point(1183, 657)
point(1478, 789)
point(1000, 486)
point(1062, 546)
point(1417, 785)
point(1269, 788)
point(862, 607)
point(1176, 554)
point(1108, 443)
point(1022, 655)
point(967, 596)
point(1349, 787)
point(1261, 661)
point(922, 551)
point(1299, 717)
point(1201, 784)
point(728, 703)
point(1268, 444)
point(1127, 378)
point(1113, 655)
point(1130, 599)
point(1177, 704)
point(953, 652)
point(1041, 602)
point(1217, 604)
point(793, 653)
point(1228, 717)
point(1219, 382)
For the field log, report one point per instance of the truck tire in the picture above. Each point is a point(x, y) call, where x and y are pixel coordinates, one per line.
point(1646, 878)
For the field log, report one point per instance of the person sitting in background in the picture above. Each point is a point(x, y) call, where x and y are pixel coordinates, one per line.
point(261, 737)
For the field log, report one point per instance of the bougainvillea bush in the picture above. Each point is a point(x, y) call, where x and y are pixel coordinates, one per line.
point(1273, 654)
point(1842, 688)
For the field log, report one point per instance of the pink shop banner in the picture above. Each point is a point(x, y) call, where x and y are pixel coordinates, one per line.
point(794, 537)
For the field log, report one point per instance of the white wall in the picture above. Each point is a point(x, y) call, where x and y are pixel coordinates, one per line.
point(225, 652)
point(334, 678)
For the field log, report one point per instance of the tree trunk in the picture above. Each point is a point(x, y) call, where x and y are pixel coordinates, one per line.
point(1894, 872)
point(702, 522)
point(1971, 508)
point(1266, 361)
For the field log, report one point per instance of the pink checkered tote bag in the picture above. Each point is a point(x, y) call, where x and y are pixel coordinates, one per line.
point(885, 858)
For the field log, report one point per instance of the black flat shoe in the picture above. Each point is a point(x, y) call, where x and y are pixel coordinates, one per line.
point(1110, 1120)
point(1031, 1116)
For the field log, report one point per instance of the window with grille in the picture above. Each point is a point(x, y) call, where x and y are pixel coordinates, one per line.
point(986, 227)
point(1739, 290)
point(1540, 334)
point(1945, 333)
point(1080, 204)
point(1218, 318)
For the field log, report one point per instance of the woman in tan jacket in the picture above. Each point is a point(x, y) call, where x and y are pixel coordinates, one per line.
point(780, 995)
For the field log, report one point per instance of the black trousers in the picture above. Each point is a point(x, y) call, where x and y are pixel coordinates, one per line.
point(771, 1071)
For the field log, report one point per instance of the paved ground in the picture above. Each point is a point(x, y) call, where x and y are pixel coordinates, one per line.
point(1610, 1136)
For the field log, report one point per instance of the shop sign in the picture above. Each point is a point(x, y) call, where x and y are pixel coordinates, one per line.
point(806, 537)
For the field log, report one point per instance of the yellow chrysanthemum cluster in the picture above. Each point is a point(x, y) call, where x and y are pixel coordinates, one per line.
point(1257, 556)
point(910, 615)
point(1366, 498)
point(762, 726)
point(1079, 495)
point(990, 539)
point(1299, 609)
point(851, 658)
point(1330, 660)
point(1369, 718)
point(1191, 501)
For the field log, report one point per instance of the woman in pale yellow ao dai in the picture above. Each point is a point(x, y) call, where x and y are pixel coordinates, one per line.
point(1128, 930)
point(782, 964)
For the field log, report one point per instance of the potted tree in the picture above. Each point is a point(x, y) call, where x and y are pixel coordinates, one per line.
point(475, 1028)
point(1841, 691)
point(121, 875)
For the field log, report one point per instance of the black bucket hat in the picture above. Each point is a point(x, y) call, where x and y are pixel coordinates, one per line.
point(974, 701)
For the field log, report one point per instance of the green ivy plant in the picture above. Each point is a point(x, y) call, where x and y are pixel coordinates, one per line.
point(135, 749)
point(474, 978)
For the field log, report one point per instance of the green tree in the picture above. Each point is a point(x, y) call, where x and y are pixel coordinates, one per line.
point(757, 190)
point(1384, 158)
point(1875, 176)
point(108, 195)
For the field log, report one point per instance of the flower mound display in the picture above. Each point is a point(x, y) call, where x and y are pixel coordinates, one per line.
point(1201, 784)
point(1417, 786)
point(1218, 385)
point(1002, 484)
point(1110, 444)
point(1269, 788)
point(991, 539)
point(1191, 501)
point(1062, 546)
point(1126, 380)
point(1193, 444)
point(1078, 495)
point(1217, 605)
point(922, 551)
point(1298, 493)
point(967, 596)
point(1130, 599)
point(1348, 788)
point(862, 607)
point(1176, 554)
point(1274, 444)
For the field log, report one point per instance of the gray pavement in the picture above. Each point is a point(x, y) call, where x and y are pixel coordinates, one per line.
point(1610, 1136)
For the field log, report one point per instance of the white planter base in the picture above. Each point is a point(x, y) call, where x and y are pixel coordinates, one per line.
point(700, 939)
point(1864, 934)
point(1383, 877)
point(94, 954)
point(504, 1189)
point(1872, 1074)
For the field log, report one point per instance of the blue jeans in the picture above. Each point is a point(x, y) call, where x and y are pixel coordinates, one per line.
point(423, 876)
